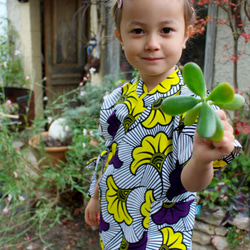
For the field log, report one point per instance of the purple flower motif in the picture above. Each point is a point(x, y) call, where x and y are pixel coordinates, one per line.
point(114, 124)
point(116, 161)
point(103, 225)
point(176, 184)
point(171, 213)
point(140, 245)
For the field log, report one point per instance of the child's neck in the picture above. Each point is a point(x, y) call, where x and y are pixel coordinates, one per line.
point(152, 81)
point(151, 86)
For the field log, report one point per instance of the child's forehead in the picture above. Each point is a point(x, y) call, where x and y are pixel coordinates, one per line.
point(152, 9)
point(151, 5)
point(125, 2)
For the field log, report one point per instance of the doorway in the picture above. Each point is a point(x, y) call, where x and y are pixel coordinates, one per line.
point(64, 45)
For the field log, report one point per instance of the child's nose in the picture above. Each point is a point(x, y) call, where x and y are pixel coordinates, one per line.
point(152, 43)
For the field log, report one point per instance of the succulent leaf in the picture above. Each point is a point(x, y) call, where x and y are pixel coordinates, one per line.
point(176, 105)
point(192, 115)
point(219, 132)
point(222, 94)
point(194, 79)
point(206, 125)
point(237, 103)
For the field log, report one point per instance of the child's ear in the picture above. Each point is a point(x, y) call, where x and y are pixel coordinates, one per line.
point(118, 35)
point(188, 33)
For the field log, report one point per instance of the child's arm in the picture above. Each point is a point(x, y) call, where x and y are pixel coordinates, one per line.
point(92, 211)
point(198, 173)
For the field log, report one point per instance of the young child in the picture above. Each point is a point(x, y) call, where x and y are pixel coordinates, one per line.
point(146, 195)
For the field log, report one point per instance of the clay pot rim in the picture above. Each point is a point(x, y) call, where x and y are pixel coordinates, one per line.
point(35, 140)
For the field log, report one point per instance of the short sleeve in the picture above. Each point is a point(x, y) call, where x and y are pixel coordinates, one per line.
point(227, 159)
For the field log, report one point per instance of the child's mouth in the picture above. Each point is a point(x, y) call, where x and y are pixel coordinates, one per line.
point(152, 59)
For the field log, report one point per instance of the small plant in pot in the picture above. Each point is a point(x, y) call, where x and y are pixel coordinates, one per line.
point(52, 144)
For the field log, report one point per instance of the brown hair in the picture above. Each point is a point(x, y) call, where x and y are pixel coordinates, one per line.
point(189, 13)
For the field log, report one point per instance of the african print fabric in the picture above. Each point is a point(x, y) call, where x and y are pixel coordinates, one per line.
point(143, 202)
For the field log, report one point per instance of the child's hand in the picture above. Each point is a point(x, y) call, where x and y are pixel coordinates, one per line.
point(92, 212)
point(206, 150)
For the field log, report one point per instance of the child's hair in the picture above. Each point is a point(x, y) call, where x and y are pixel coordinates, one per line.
point(189, 13)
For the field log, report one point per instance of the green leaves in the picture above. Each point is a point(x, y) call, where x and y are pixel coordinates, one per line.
point(192, 114)
point(222, 94)
point(209, 124)
point(178, 104)
point(194, 79)
point(237, 103)
point(206, 116)
point(219, 132)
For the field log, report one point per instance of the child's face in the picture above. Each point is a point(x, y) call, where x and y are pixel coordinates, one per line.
point(153, 35)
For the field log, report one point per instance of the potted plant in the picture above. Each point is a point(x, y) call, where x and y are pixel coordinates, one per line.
point(52, 147)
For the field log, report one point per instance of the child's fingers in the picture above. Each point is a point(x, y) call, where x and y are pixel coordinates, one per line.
point(225, 146)
point(227, 126)
point(221, 113)
point(98, 219)
point(86, 217)
point(92, 212)
point(90, 220)
point(215, 150)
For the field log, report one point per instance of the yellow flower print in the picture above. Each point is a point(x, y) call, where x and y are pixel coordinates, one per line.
point(101, 244)
point(129, 95)
point(172, 240)
point(116, 199)
point(157, 116)
point(219, 164)
point(134, 113)
point(124, 244)
point(146, 207)
point(166, 84)
point(169, 82)
point(153, 150)
point(110, 155)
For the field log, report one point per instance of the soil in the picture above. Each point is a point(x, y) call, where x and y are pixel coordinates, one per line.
point(51, 142)
point(72, 234)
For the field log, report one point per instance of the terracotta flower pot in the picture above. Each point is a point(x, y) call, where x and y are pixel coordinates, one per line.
point(53, 154)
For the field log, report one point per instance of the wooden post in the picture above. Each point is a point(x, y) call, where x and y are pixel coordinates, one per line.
point(210, 46)
point(112, 46)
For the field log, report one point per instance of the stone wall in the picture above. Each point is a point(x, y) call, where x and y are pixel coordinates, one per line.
point(209, 235)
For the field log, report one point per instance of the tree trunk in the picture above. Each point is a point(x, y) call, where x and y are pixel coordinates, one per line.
point(247, 148)
point(235, 70)
point(210, 46)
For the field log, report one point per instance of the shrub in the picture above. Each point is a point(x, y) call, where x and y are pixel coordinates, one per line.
point(32, 196)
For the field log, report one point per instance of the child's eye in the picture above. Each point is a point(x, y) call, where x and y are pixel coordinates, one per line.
point(137, 31)
point(166, 30)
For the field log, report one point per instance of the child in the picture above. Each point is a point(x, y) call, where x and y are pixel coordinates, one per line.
point(155, 164)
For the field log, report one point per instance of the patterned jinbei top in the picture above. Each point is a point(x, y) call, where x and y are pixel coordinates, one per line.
point(143, 202)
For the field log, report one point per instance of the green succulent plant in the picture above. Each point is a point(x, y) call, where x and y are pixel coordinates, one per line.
point(209, 124)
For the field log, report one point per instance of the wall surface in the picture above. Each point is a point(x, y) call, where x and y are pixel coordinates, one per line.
point(223, 53)
point(3, 10)
point(3, 13)
point(25, 17)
